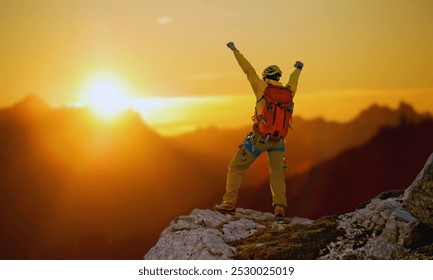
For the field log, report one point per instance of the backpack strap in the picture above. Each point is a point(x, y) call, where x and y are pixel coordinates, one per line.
point(260, 99)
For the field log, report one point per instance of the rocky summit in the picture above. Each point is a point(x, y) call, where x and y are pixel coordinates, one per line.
point(206, 234)
point(397, 224)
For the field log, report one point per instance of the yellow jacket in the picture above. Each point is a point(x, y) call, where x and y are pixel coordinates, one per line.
point(260, 85)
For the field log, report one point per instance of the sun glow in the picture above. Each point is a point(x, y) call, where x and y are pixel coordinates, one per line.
point(107, 95)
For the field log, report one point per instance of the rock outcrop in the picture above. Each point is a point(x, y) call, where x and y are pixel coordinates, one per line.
point(380, 230)
point(419, 196)
point(205, 234)
point(391, 226)
point(394, 225)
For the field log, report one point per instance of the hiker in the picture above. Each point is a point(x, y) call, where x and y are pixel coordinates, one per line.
point(271, 122)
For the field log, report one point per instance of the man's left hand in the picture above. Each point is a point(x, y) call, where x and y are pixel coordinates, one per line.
point(299, 65)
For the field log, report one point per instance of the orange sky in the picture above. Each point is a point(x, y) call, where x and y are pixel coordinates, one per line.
point(355, 53)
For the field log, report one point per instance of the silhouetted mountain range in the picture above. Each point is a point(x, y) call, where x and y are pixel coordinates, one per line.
point(75, 187)
point(72, 186)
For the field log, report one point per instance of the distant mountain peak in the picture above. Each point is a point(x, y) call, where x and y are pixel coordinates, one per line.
point(382, 112)
point(375, 109)
point(405, 105)
point(32, 103)
point(406, 109)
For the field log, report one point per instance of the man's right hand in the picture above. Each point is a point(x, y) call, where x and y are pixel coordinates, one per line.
point(232, 46)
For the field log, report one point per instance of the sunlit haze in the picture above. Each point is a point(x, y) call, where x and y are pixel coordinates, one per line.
point(168, 59)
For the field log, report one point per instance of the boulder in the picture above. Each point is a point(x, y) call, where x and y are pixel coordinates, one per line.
point(418, 197)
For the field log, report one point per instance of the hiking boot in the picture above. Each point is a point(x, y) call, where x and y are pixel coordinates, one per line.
point(225, 207)
point(279, 211)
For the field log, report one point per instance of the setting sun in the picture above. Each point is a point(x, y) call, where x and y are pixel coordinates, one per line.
point(107, 95)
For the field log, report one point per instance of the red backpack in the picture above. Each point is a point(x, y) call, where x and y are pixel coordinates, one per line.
point(274, 123)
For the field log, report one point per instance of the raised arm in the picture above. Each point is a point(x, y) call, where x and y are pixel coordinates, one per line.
point(257, 84)
point(294, 77)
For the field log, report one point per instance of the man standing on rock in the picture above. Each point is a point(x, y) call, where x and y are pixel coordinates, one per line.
point(272, 118)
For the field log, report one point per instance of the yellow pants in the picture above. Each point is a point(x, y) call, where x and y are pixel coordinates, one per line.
point(252, 148)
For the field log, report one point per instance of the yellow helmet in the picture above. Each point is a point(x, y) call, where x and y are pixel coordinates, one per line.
point(271, 70)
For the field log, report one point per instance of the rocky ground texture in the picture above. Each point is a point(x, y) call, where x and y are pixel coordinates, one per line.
point(394, 225)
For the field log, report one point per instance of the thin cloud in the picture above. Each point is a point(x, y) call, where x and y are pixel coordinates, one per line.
point(205, 76)
point(164, 20)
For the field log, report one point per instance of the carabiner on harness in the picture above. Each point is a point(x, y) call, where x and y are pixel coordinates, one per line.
point(285, 167)
point(249, 144)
